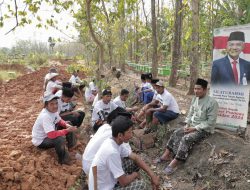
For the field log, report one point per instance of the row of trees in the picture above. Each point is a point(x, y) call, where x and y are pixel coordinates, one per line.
point(175, 33)
point(25, 48)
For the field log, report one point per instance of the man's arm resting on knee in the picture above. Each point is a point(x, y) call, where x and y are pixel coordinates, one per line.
point(125, 180)
point(145, 167)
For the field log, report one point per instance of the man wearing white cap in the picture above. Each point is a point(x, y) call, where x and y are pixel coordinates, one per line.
point(52, 86)
point(50, 131)
point(167, 111)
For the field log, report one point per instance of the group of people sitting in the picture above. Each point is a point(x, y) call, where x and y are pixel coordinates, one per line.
point(58, 120)
point(108, 159)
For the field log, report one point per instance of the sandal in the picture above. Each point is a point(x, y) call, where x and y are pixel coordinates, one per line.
point(169, 170)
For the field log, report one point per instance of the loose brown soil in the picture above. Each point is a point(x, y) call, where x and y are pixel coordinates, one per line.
point(220, 162)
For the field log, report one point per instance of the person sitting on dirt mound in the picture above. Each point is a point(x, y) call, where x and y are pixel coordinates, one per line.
point(65, 109)
point(68, 85)
point(121, 101)
point(49, 130)
point(90, 92)
point(103, 133)
point(77, 82)
point(102, 108)
point(200, 124)
point(53, 84)
point(51, 70)
point(147, 89)
point(152, 104)
point(167, 111)
point(117, 167)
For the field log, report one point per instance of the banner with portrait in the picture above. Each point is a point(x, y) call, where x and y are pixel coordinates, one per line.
point(230, 75)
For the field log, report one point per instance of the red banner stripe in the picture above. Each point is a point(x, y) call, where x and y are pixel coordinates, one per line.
point(220, 42)
point(246, 50)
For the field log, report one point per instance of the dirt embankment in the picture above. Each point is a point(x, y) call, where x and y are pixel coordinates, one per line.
point(23, 166)
point(220, 162)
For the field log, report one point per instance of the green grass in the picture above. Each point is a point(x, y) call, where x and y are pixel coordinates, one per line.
point(8, 74)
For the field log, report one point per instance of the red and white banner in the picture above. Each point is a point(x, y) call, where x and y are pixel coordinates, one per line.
point(232, 96)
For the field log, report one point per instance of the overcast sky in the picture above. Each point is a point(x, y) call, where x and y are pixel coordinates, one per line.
point(31, 32)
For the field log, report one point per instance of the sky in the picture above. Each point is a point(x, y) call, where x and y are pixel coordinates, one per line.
point(31, 32)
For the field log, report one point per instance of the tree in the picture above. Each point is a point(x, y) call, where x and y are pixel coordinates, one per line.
point(154, 41)
point(93, 35)
point(195, 45)
point(176, 50)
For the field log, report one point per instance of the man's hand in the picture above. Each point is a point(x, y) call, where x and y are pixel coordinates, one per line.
point(99, 122)
point(71, 128)
point(137, 175)
point(189, 129)
point(155, 181)
point(76, 114)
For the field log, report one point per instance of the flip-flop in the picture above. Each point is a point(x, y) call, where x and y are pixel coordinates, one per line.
point(169, 170)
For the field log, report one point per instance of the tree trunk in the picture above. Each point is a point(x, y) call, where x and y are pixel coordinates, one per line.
point(195, 46)
point(122, 36)
point(136, 35)
point(176, 50)
point(110, 45)
point(146, 20)
point(96, 40)
point(154, 41)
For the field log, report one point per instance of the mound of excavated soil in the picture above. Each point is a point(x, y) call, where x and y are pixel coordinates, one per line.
point(23, 166)
point(220, 162)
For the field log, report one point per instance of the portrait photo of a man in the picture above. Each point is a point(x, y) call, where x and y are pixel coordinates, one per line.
point(231, 69)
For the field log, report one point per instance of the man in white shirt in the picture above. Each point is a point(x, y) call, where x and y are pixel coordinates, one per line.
point(74, 79)
point(102, 108)
point(103, 133)
point(46, 78)
point(50, 131)
point(111, 172)
point(77, 82)
point(90, 92)
point(66, 111)
point(168, 110)
point(153, 103)
point(120, 101)
point(53, 85)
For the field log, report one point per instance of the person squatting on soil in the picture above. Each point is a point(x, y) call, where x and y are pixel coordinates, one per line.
point(120, 101)
point(167, 111)
point(52, 85)
point(50, 131)
point(102, 108)
point(91, 92)
point(117, 166)
point(65, 110)
point(104, 132)
point(153, 103)
point(77, 82)
point(200, 123)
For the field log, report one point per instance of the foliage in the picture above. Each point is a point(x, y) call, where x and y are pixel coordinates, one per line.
point(88, 70)
point(36, 59)
point(8, 74)
point(107, 25)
